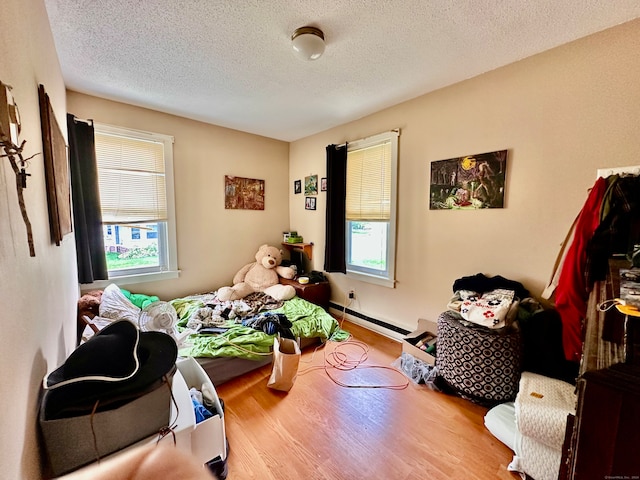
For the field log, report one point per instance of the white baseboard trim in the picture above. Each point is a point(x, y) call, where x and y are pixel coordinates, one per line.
point(367, 322)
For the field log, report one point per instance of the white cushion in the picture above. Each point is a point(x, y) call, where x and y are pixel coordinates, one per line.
point(501, 422)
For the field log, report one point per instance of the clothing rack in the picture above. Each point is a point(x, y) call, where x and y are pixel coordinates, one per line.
point(607, 172)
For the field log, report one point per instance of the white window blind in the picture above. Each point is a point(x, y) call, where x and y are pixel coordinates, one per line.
point(131, 176)
point(369, 183)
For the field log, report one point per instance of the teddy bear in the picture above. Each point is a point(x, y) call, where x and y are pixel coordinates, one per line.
point(263, 275)
point(88, 305)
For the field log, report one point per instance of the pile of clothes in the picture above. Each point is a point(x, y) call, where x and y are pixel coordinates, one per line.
point(491, 302)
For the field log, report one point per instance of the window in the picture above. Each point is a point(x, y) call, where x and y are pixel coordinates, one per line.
point(135, 176)
point(372, 166)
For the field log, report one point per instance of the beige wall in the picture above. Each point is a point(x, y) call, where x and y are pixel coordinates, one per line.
point(213, 243)
point(561, 115)
point(37, 295)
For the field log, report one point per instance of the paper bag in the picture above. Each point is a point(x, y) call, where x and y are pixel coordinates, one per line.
point(286, 357)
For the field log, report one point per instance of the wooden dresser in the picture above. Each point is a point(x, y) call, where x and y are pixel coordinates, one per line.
point(606, 430)
point(602, 440)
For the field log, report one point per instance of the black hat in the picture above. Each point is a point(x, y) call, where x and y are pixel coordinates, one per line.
point(115, 366)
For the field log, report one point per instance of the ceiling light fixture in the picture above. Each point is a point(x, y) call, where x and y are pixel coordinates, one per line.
point(308, 43)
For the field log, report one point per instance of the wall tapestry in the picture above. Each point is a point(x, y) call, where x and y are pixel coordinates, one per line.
point(471, 182)
point(311, 185)
point(243, 193)
point(56, 166)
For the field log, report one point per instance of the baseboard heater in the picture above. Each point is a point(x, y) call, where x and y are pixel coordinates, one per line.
point(366, 318)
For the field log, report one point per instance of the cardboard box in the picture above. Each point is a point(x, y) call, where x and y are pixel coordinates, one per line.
point(69, 442)
point(425, 328)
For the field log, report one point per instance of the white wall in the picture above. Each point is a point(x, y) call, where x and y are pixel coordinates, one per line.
point(37, 295)
point(561, 114)
point(213, 243)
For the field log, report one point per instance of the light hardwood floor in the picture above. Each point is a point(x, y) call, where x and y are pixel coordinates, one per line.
point(320, 430)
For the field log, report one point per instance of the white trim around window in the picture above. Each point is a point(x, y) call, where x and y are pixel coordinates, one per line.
point(168, 268)
point(387, 277)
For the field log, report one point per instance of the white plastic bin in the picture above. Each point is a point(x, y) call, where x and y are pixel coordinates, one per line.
point(208, 439)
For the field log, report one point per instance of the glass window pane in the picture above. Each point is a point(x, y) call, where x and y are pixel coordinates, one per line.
point(368, 245)
point(130, 249)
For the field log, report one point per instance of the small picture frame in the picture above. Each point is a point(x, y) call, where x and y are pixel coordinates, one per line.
point(323, 184)
point(297, 186)
point(310, 203)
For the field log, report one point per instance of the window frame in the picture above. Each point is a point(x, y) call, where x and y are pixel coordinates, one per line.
point(167, 240)
point(362, 273)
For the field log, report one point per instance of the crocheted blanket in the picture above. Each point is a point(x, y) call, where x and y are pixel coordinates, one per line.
point(542, 406)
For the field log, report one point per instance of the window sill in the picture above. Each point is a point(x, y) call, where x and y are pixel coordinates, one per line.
point(363, 277)
point(131, 279)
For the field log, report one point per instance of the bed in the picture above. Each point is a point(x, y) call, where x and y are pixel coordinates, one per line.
point(231, 338)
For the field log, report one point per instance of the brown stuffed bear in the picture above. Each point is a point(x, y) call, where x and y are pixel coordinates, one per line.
point(88, 305)
point(263, 275)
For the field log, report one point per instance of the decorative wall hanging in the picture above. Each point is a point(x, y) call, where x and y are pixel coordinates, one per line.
point(323, 184)
point(297, 186)
point(9, 115)
point(311, 185)
point(9, 132)
point(471, 182)
point(56, 166)
point(243, 193)
point(310, 203)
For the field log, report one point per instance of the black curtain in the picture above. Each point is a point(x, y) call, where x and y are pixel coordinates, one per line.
point(85, 194)
point(335, 239)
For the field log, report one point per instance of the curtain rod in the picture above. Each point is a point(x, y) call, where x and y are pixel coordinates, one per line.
point(397, 130)
point(89, 121)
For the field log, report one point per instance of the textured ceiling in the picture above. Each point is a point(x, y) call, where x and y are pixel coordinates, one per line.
point(230, 63)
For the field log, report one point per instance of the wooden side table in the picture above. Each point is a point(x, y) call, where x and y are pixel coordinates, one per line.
point(318, 293)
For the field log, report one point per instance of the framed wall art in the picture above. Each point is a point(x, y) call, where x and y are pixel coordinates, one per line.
point(323, 184)
point(243, 193)
point(297, 186)
point(310, 203)
point(471, 182)
point(56, 166)
point(311, 185)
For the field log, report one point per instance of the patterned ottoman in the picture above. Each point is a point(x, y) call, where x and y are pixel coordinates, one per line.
point(477, 363)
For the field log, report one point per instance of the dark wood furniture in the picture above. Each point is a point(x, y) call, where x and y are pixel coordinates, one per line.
point(318, 293)
point(606, 434)
point(306, 248)
point(602, 439)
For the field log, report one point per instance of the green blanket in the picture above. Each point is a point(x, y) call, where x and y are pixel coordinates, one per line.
point(309, 321)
